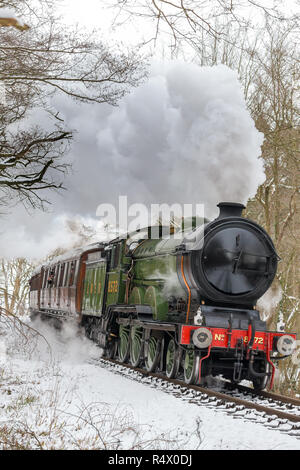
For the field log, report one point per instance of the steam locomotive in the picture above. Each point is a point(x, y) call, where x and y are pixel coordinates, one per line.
point(184, 303)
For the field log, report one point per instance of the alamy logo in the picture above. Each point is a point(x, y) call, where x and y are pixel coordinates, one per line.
point(164, 219)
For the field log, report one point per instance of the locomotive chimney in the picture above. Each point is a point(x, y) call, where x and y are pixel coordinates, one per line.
point(230, 209)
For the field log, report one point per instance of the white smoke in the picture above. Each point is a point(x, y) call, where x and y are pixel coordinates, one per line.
point(170, 282)
point(269, 301)
point(67, 344)
point(185, 136)
point(64, 232)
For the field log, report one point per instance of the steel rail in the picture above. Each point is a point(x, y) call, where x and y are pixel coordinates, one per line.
point(265, 394)
point(223, 396)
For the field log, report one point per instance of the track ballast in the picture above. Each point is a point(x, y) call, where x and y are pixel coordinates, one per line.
point(271, 410)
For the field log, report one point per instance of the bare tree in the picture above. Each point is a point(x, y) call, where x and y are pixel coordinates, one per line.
point(14, 287)
point(26, 162)
point(274, 105)
point(189, 21)
point(36, 64)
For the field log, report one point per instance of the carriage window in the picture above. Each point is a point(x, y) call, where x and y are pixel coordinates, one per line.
point(62, 270)
point(45, 278)
point(112, 257)
point(66, 274)
point(50, 277)
point(115, 254)
point(72, 272)
point(39, 281)
point(55, 283)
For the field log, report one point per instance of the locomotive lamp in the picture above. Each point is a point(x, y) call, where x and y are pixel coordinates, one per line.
point(286, 345)
point(202, 338)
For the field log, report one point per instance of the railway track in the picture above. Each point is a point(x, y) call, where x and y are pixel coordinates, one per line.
point(272, 410)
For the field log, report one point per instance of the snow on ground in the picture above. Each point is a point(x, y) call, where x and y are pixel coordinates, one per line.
point(52, 398)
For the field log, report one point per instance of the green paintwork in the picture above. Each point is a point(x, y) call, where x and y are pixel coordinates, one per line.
point(123, 347)
point(137, 296)
point(116, 280)
point(152, 353)
point(170, 356)
point(94, 286)
point(189, 365)
point(154, 297)
point(150, 248)
point(136, 345)
point(154, 279)
point(115, 288)
point(155, 269)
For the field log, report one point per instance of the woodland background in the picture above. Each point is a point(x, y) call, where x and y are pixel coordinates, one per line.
point(43, 59)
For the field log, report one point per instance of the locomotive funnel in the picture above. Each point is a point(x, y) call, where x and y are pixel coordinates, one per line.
point(230, 209)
